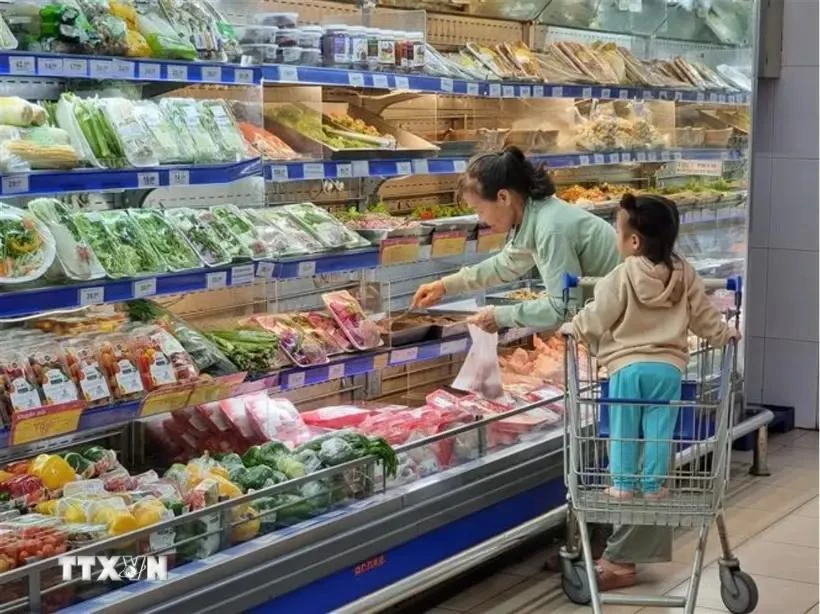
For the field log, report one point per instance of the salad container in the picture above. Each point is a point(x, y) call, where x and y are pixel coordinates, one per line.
point(266, 53)
point(329, 231)
point(242, 229)
point(362, 332)
point(26, 245)
point(119, 364)
point(209, 237)
point(167, 241)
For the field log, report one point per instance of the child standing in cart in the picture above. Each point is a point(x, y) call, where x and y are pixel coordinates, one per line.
point(638, 327)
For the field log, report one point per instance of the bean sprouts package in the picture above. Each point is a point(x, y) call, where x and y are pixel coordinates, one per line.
point(26, 246)
point(221, 124)
point(287, 235)
point(346, 310)
point(326, 228)
point(242, 230)
point(169, 242)
point(208, 236)
point(480, 372)
point(165, 139)
point(189, 119)
point(136, 141)
point(162, 38)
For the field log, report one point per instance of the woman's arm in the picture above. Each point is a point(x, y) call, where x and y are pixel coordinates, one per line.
point(507, 265)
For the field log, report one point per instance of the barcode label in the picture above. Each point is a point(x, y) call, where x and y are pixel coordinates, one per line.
point(306, 269)
point(356, 79)
point(336, 371)
point(446, 85)
point(279, 173)
point(537, 91)
point(100, 69)
point(344, 171)
point(212, 74)
point(402, 83)
point(296, 380)
point(361, 168)
point(508, 91)
point(123, 69)
point(586, 92)
point(74, 67)
point(558, 92)
point(403, 355)
point(420, 167)
point(472, 89)
point(606, 93)
point(495, 90)
point(176, 72)
point(525, 91)
point(313, 171)
point(265, 270)
point(149, 71)
point(453, 347)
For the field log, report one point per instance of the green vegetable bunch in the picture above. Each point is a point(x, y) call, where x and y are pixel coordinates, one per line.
point(255, 351)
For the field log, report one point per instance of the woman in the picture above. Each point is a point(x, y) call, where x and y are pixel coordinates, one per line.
point(509, 193)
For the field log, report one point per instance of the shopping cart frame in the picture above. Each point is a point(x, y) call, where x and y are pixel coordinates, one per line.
point(579, 577)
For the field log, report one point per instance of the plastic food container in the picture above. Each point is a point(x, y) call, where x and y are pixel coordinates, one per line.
point(336, 46)
point(310, 37)
point(288, 37)
point(260, 54)
point(289, 55)
point(358, 46)
point(311, 57)
point(280, 20)
point(387, 50)
point(250, 35)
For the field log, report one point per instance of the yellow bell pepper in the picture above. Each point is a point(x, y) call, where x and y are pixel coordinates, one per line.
point(247, 522)
point(226, 487)
point(5, 475)
point(52, 470)
point(49, 508)
point(219, 470)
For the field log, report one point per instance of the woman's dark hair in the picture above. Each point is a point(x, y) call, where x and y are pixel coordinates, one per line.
point(507, 170)
point(656, 221)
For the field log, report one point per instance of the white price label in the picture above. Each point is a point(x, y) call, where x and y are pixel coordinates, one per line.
point(100, 69)
point(213, 74)
point(75, 67)
point(50, 66)
point(677, 156)
point(635, 6)
point(144, 287)
point(678, 96)
point(296, 380)
point(381, 82)
point(21, 65)
point(91, 296)
point(420, 167)
point(495, 90)
point(646, 95)
point(149, 71)
point(558, 92)
point(665, 156)
point(356, 79)
point(599, 159)
point(586, 92)
point(216, 280)
point(472, 89)
point(606, 93)
point(402, 83)
point(148, 180)
point(626, 157)
point(583, 160)
point(242, 275)
point(525, 91)
point(613, 158)
point(344, 171)
point(313, 170)
point(724, 155)
point(403, 355)
point(179, 177)
point(453, 347)
point(623, 94)
point(243, 76)
point(288, 73)
point(15, 184)
point(265, 269)
point(508, 91)
point(336, 371)
point(279, 173)
point(652, 156)
point(404, 168)
point(306, 269)
point(700, 97)
point(177, 72)
point(123, 69)
point(640, 156)
point(446, 84)
point(460, 165)
point(361, 168)
point(537, 91)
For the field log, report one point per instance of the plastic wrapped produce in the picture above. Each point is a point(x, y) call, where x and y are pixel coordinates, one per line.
point(52, 374)
point(242, 230)
point(221, 124)
point(19, 384)
point(362, 332)
point(165, 142)
point(326, 228)
point(302, 349)
point(283, 234)
point(267, 144)
point(187, 117)
point(169, 243)
point(196, 25)
point(44, 147)
point(162, 38)
point(82, 357)
point(211, 239)
point(15, 111)
point(135, 140)
point(26, 246)
point(97, 131)
point(161, 359)
point(74, 256)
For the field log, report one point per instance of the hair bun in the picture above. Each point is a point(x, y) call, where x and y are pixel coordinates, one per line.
point(515, 152)
point(628, 201)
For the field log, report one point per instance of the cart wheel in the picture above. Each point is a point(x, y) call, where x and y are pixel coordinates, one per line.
point(575, 583)
point(739, 597)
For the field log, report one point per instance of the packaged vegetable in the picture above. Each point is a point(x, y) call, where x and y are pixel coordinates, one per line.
point(169, 243)
point(161, 359)
point(300, 348)
point(165, 141)
point(82, 356)
point(362, 332)
point(75, 258)
point(301, 241)
point(189, 119)
point(52, 374)
point(120, 366)
point(15, 111)
point(245, 523)
point(221, 124)
point(52, 470)
point(135, 140)
point(276, 239)
point(27, 246)
point(209, 237)
point(193, 24)
point(242, 230)
point(98, 132)
point(161, 37)
point(23, 486)
point(21, 389)
point(327, 229)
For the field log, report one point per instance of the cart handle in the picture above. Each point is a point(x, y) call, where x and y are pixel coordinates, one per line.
point(733, 284)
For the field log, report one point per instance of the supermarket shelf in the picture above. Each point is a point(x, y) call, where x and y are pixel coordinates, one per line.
point(92, 180)
point(318, 264)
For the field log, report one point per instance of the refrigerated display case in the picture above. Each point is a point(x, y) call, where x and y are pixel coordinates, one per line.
point(200, 213)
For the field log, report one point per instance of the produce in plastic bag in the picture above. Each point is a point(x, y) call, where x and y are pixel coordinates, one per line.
point(326, 228)
point(236, 413)
point(67, 120)
point(82, 356)
point(363, 333)
point(283, 235)
point(208, 236)
point(15, 111)
point(106, 147)
point(41, 147)
point(181, 362)
point(165, 140)
point(190, 119)
point(221, 124)
point(155, 362)
point(135, 140)
point(19, 384)
point(168, 242)
point(136, 45)
point(195, 25)
point(120, 366)
point(52, 374)
point(302, 349)
point(480, 372)
point(242, 229)
point(160, 35)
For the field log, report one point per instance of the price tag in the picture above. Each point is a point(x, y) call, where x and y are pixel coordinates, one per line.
point(50, 66)
point(75, 67)
point(404, 168)
point(403, 355)
point(214, 74)
point(700, 97)
point(586, 92)
point(665, 156)
point(623, 94)
point(420, 167)
point(446, 85)
point(472, 89)
point(21, 65)
point(626, 157)
point(344, 171)
point(149, 71)
point(216, 280)
point(380, 361)
point(583, 160)
point(242, 275)
point(647, 95)
point(508, 91)
point(537, 91)
point(296, 380)
point(446, 244)
point(91, 296)
point(44, 423)
point(402, 83)
point(678, 96)
point(713, 97)
point(599, 159)
point(100, 69)
point(452, 347)
point(356, 79)
point(288, 73)
point(144, 287)
point(265, 269)
point(336, 371)
point(313, 170)
point(652, 156)
point(613, 158)
point(148, 180)
point(524, 91)
point(243, 76)
point(361, 168)
point(15, 184)
point(724, 155)
point(460, 165)
point(179, 177)
point(640, 156)
point(177, 72)
point(306, 269)
point(399, 250)
point(722, 98)
point(558, 92)
point(381, 82)
point(165, 400)
point(123, 69)
point(495, 90)
point(677, 156)
point(279, 173)
point(606, 93)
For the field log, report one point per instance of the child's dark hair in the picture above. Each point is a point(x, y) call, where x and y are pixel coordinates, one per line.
point(509, 169)
point(656, 221)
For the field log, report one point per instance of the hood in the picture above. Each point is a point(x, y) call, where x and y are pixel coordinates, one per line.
point(653, 284)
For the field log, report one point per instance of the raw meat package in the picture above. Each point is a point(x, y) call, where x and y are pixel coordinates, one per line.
point(336, 417)
point(276, 419)
point(236, 414)
point(363, 333)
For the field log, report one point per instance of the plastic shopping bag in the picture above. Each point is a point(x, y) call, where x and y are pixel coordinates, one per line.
point(480, 372)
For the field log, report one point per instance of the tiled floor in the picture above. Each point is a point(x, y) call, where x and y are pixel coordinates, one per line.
point(773, 526)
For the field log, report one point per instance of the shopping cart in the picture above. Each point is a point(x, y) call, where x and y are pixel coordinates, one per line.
point(699, 454)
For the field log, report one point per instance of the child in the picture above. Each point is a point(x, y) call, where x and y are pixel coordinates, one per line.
point(638, 325)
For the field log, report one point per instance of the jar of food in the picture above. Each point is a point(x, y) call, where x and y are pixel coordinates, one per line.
point(289, 55)
point(311, 57)
point(372, 48)
point(287, 37)
point(358, 46)
point(336, 46)
point(310, 37)
point(402, 52)
point(387, 50)
point(259, 54)
point(417, 51)
point(280, 20)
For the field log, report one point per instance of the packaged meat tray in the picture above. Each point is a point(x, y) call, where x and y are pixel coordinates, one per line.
point(336, 417)
point(362, 332)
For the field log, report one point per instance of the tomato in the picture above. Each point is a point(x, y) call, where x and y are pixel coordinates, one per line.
point(48, 550)
point(60, 549)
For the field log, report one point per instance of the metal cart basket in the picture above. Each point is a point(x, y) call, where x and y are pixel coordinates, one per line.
point(687, 491)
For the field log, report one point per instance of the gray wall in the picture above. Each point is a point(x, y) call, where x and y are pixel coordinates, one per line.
point(782, 285)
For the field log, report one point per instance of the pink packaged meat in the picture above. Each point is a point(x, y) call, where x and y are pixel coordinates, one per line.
point(363, 333)
point(276, 419)
point(337, 417)
point(236, 414)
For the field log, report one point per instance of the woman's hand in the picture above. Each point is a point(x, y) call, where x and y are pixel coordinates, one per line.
point(428, 295)
point(485, 320)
